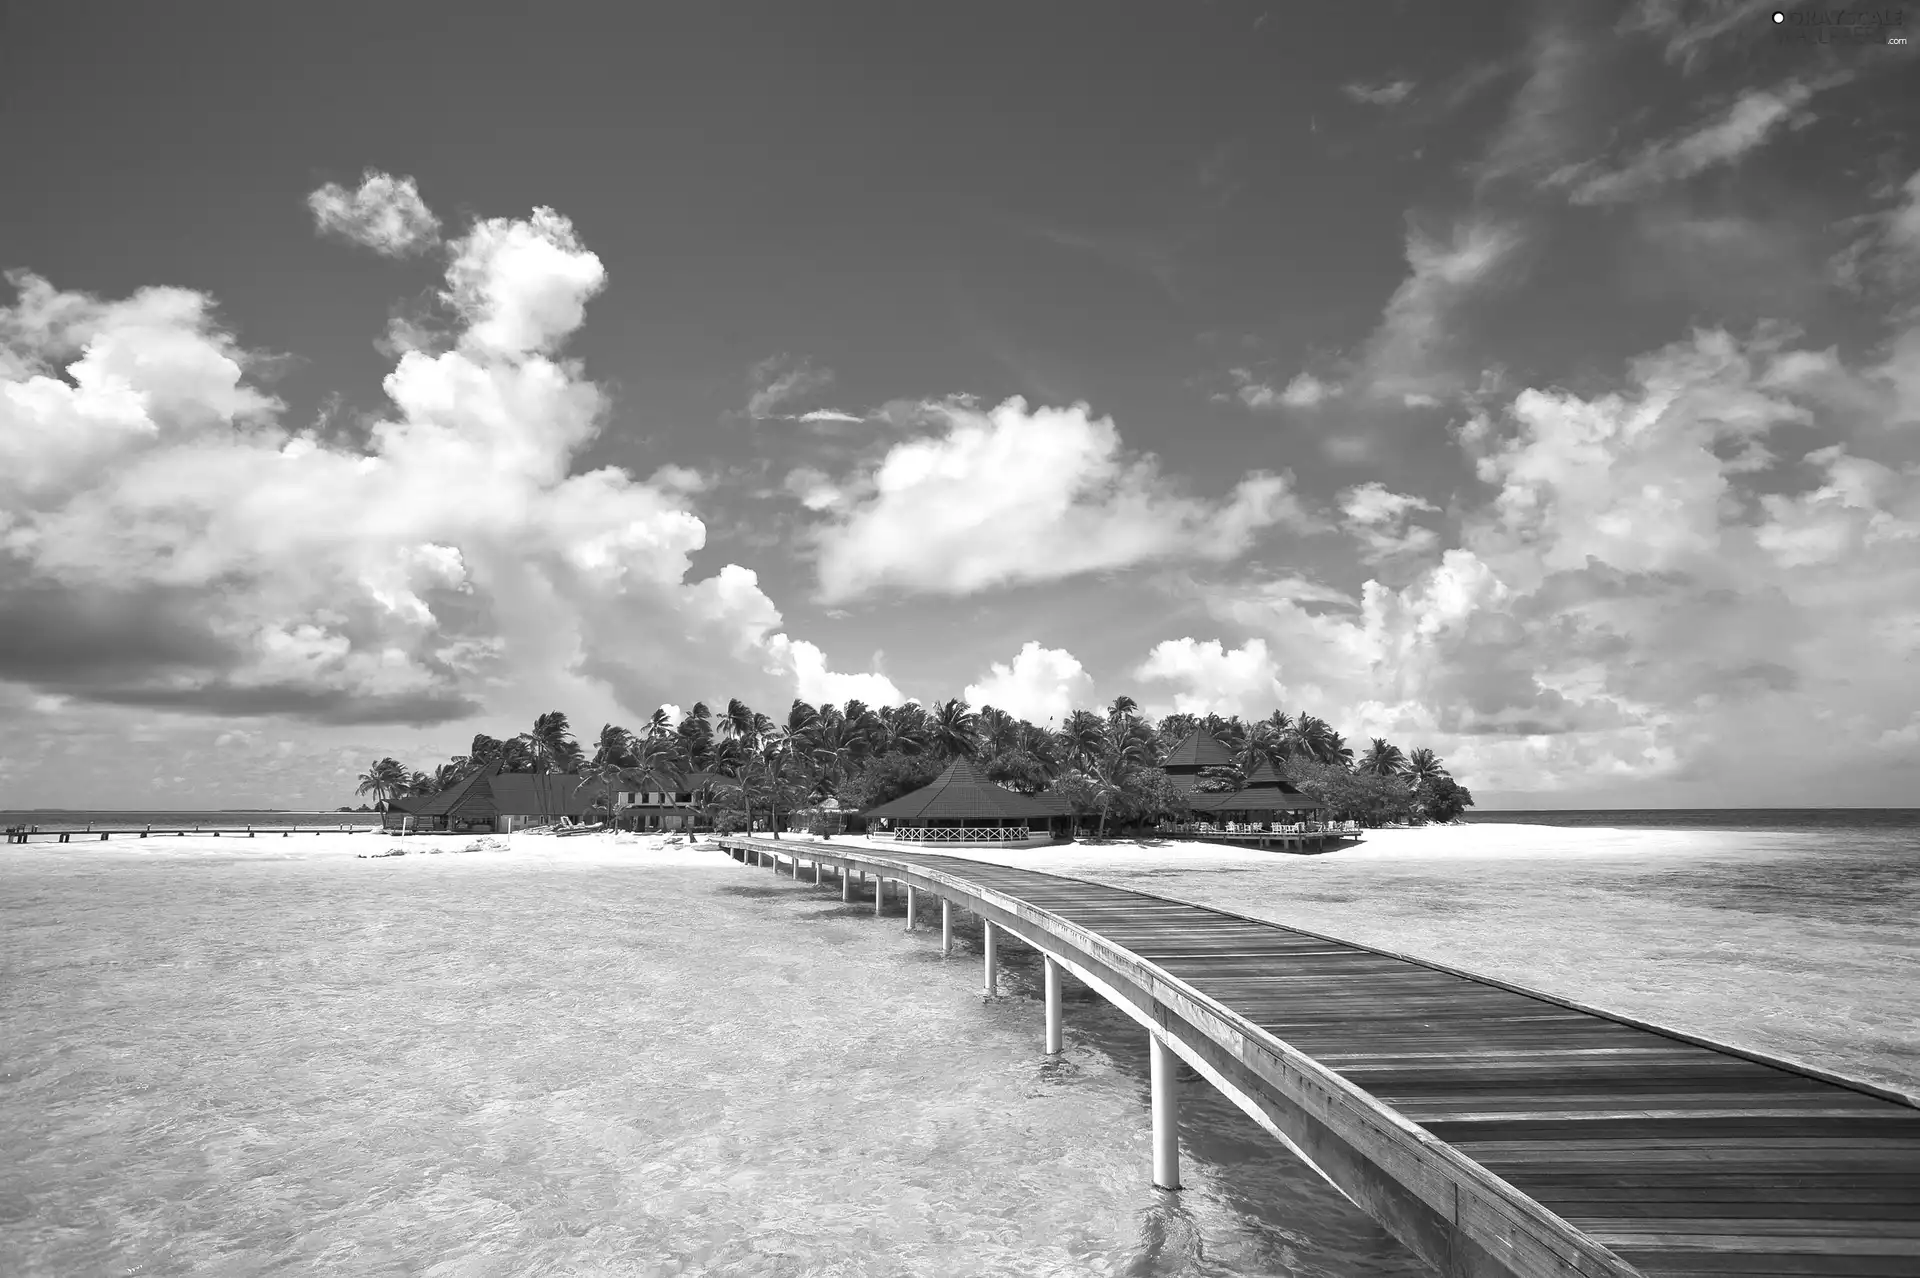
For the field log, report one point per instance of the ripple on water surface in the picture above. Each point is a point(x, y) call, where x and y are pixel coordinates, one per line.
point(480, 1067)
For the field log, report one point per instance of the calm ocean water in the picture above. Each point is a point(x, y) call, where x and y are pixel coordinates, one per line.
point(230, 1064)
point(244, 1059)
point(1786, 820)
point(178, 819)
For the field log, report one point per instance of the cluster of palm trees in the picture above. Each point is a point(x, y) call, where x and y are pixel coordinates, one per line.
point(862, 755)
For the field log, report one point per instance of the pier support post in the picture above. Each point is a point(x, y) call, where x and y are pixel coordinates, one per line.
point(946, 927)
point(1053, 1005)
point(816, 874)
point(1164, 1070)
point(992, 982)
point(913, 903)
point(879, 894)
point(846, 883)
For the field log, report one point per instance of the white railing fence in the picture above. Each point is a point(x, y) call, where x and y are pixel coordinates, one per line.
point(961, 834)
point(1265, 827)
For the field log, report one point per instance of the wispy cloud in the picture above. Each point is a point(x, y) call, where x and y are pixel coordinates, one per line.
point(1304, 391)
point(384, 213)
point(1406, 356)
point(781, 379)
point(831, 415)
point(1687, 29)
point(1386, 93)
point(1743, 126)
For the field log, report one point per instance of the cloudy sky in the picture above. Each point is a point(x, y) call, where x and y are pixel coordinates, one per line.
point(1536, 382)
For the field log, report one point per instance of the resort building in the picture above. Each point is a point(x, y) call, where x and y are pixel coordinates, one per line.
point(493, 801)
point(962, 806)
point(1265, 798)
point(1194, 752)
point(463, 807)
point(655, 801)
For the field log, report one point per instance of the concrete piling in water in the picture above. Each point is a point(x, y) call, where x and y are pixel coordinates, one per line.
point(992, 981)
point(846, 884)
point(946, 927)
point(913, 904)
point(1163, 1068)
point(1053, 1005)
point(879, 895)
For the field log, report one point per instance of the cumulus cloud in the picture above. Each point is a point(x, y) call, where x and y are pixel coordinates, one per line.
point(806, 666)
point(812, 487)
point(780, 380)
point(384, 213)
point(1017, 495)
point(1386, 93)
point(1634, 595)
point(165, 541)
point(1212, 678)
point(1038, 685)
point(1380, 521)
point(1745, 125)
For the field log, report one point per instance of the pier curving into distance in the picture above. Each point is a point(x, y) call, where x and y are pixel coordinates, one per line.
point(1493, 1130)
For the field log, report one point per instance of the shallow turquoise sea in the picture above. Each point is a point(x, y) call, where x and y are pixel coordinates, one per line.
point(469, 1065)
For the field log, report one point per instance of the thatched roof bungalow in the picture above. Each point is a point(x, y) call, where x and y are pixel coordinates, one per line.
point(1266, 797)
point(962, 807)
point(1193, 753)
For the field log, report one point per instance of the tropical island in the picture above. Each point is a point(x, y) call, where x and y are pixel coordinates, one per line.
point(743, 770)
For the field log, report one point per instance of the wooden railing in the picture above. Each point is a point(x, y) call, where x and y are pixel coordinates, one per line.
point(1452, 1212)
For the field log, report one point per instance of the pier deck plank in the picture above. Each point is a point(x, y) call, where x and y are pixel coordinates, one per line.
point(1683, 1159)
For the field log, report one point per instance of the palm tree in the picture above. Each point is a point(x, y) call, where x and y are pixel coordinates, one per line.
point(778, 761)
point(1083, 738)
point(386, 781)
point(737, 723)
point(614, 747)
point(449, 774)
point(1424, 767)
point(1383, 759)
point(551, 743)
point(1175, 727)
point(801, 716)
point(955, 729)
point(1312, 738)
point(902, 730)
point(1339, 752)
point(659, 723)
point(1122, 707)
point(696, 735)
point(998, 729)
point(419, 785)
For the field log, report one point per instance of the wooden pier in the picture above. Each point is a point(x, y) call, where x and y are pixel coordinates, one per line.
point(248, 831)
point(1493, 1130)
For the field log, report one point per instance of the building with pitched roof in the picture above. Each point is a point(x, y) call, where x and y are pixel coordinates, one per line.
point(466, 805)
point(662, 801)
point(1194, 752)
point(1266, 797)
point(962, 807)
